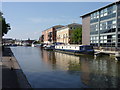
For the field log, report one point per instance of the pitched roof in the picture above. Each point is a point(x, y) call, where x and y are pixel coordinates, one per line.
point(74, 24)
point(57, 26)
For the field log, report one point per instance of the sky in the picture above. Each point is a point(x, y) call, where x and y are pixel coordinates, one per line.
point(29, 19)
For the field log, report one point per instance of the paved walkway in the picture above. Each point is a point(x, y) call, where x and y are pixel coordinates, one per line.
point(12, 75)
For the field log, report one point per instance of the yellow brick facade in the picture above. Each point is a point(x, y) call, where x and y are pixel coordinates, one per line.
point(63, 35)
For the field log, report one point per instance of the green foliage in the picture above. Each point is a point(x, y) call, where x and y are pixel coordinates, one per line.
point(77, 36)
point(5, 26)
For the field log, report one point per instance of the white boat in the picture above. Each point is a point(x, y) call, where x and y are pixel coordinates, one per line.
point(49, 47)
point(32, 45)
point(80, 49)
point(36, 45)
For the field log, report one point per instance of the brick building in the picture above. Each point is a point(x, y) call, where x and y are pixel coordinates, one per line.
point(64, 33)
point(49, 35)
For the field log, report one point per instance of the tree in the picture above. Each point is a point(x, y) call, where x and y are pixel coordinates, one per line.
point(77, 36)
point(5, 27)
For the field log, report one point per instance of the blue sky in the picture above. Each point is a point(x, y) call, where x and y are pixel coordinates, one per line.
point(29, 19)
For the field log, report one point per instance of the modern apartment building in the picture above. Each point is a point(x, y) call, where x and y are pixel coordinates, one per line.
point(49, 35)
point(64, 34)
point(102, 26)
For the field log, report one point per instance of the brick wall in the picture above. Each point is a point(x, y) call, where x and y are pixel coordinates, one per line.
point(46, 37)
point(86, 30)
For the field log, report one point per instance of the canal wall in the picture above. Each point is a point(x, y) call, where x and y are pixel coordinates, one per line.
point(12, 74)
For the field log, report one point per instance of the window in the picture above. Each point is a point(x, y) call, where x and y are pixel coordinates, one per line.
point(105, 25)
point(105, 41)
point(105, 37)
point(97, 38)
point(114, 8)
point(113, 40)
point(90, 38)
point(101, 13)
point(94, 15)
point(114, 26)
point(97, 41)
point(91, 16)
point(114, 22)
point(105, 12)
point(97, 14)
point(96, 27)
point(101, 41)
point(101, 37)
point(113, 36)
point(100, 26)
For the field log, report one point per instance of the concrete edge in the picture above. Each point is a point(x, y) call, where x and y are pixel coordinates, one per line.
point(22, 80)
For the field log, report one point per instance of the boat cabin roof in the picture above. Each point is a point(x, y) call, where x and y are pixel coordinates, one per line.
point(74, 45)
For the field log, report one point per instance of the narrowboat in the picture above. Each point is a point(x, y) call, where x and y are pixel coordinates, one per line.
point(49, 47)
point(75, 49)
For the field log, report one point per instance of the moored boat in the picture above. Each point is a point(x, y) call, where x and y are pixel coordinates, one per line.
point(76, 49)
point(49, 47)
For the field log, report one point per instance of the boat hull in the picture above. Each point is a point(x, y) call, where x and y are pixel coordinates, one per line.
point(76, 52)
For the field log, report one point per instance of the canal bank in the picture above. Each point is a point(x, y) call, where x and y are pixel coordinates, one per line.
point(113, 54)
point(12, 74)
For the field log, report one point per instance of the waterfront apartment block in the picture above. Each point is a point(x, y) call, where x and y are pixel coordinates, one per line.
point(64, 34)
point(102, 26)
point(49, 35)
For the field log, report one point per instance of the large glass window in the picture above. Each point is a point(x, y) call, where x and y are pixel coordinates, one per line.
point(103, 25)
point(114, 8)
point(108, 12)
point(94, 29)
point(94, 15)
point(108, 26)
point(101, 13)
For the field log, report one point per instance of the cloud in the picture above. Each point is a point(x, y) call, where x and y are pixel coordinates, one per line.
point(62, 19)
point(46, 20)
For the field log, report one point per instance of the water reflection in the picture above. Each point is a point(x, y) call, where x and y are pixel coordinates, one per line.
point(61, 61)
point(101, 72)
point(54, 69)
point(95, 72)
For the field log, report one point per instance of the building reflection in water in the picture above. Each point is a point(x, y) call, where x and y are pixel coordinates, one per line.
point(99, 72)
point(61, 61)
point(67, 62)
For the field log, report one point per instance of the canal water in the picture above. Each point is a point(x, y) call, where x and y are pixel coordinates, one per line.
point(49, 69)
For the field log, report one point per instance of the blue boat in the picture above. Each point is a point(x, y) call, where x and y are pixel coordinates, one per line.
point(75, 49)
